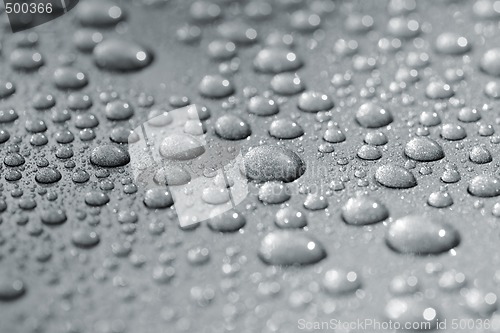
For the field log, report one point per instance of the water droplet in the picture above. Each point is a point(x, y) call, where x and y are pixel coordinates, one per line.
point(440, 199)
point(421, 235)
point(69, 78)
point(230, 221)
point(371, 115)
point(334, 135)
point(395, 176)
point(96, 198)
point(403, 27)
point(376, 138)
point(232, 127)
point(424, 150)
point(418, 314)
point(172, 175)
point(305, 21)
point(181, 147)
point(221, 50)
point(109, 156)
point(314, 101)
point(264, 163)
point(369, 153)
point(341, 282)
point(198, 255)
point(363, 210)
point(452, 280)
point(99, 13)
point(469, 115)
point(47, 176)
point(7, 88)
point(315, 201)
point(480, 302)
point(158, 198)
point(123, 135)
point(86, 40)
point(26, 59)
point(438, 90)
point(80, 176)
point(53, 216)
point(484, 186)
point(453, 132)
point(8, 115)
point(289, 217)
point(35, 125)
point(287, 84)
point(262, 106)
point(215, 195)
point(85, 238)
point(4, 136)
point(274, 192)
point(404, 285)
point(277, 60)
point(490, 62)
point(452, 43)
point(290, 248)
point(480, 155)
point(120, 55)
point(205, 11)
point(492, 89)
point(237, 31)
point(11, 288)
point(119, 110)
point(450, 176)
point(216, 86)
point(358, 23)
point(14, 160)
point(285, 129)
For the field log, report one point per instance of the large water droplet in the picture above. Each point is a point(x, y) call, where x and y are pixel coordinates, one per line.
point(290, 248)
point(216, 86)
point(490, 62)
point(230, 221)
point(11, 288)
point(99, 13)
point(274, 192)
point(452, 43)
point(371, 115)
point(413, 312)
point(424, 150)
point(277, 60)
point(158, 198)
point(484, 186)
point(181, 147)
point(363, 210)
point(120, 55)
point(395, 176)
point(421, 235)
point(266, 163)
point(109, 156)
point(47, 176)
point(341, 282)
point(314, 101)
point(287, 84)
point(232, 127)
point(285, 129)
point(289, 217)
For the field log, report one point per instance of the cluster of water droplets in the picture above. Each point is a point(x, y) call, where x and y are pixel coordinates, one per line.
point(364, 131)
